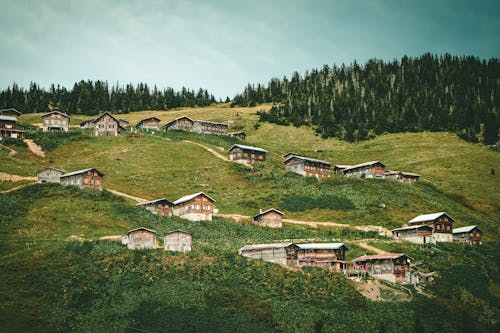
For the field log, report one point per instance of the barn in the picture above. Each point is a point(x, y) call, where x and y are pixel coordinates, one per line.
point(149, 124)
point(194, 207)
point(441, 223)
point(325, 255)
point(392, 267)
point(161, 206)
point(418, 234)
point(49, 175)
point(87, 178)
point(373, 169)
point(470, 234)
point(55, 121)
point(246, 154)
point(178, 240)
point(270, 218)
point(280, 253)
point(140, 238)
point(307, 167)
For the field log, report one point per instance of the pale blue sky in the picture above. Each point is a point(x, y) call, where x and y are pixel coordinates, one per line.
point(222, 45)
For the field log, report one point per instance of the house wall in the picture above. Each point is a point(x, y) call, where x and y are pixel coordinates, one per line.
point(106, 126)
point(90, 179)
point(368, 171)
point(197, 209)
point(142, 239)
point(318, 170)
point(49, 176)
point(178, 241)
point(396, 271)
point(75, 180)
point(338, 254)
point(160, 208)
point(282, 256)
point(55, 120)
point(209, 128)
point(409, 179)
point(473, 237)
point(5, 124)
point(296, 166)
point(150, 124)
point(8, 129)
point(271, 220)
point(245, 156)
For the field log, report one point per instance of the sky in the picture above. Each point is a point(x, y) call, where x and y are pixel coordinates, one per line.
point(221, 45)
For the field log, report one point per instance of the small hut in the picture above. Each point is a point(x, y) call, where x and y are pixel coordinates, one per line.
point(49, 175)
point(470, 234)
point(179, 241)
point(11, 112)
point(307, 167)
point(270, 218)
point(161, 206)
point(246, 154)
point(194, 207)
point(326, 255)
point(140, 238)
point(87, 178)
point(149, 124)
point(373, 169)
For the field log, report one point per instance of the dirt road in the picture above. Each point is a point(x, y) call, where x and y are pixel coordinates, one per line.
point(126, 195)
point(210, 150)
point(36, 149)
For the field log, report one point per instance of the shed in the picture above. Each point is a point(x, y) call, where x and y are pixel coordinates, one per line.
point(55, 121)
point(418, 234)
point(393, 267)
point(161, 206)
point(307, 167)
point(373, 169)
point(194, 207)
point(150, 123)
point(441, 222)
point(246, 154)
point(49, 175)
point(178, 240)
point(326, 255)
point(280, 253)
point(140, 238)
point(86, 178)
point(269, 218)
point(470, 234)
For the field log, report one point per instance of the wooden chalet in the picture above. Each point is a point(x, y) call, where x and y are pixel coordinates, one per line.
point(403, 177)
point(470, 234)
point(140, 238)
point(270, 218)
point(11, 112)
point(280, 253)
point(441, 222)
point(194, 207)
point(239, 135)
point(106, 125)
point(373, 169)
point(161, 206)
point(187, 124)
point(49, 175)
point(8, 127)
point(87, 178)
point(246, 154)
point(123, 122)
point(149, 124)
point(307, 167)
point(339, 168)
point(393, 267)
point(325, 255)
point(418, 234)
point(179, 241)
point(55, 121)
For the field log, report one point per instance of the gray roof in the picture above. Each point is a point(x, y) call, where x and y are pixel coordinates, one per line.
point(465, 229)
point(357, 166)
point(8, 118)
point(429, 217)
point(81, 171)
point(154, 201)
point(176, 119)
point(413, 227)
point(342, 166)
point(191, 196)
point(243, 147)
point(321, 246)
point(269, 210)
point(305, 159)
point(50, 168)
point(56, 112)
point(141, 228)
point(10, 110)
point(265, 246)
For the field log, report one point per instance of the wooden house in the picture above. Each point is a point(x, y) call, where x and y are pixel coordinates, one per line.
point(8, 127)
point(87, 178)
point(270, 218)
point(187, 124)
point(106, 125)
point(55, 121)
point(441, 222)
point(307, 167)
point(161, 206)
point(246, 154)
point(123, 122)
point(280, 253)
point(403, 177)
point(194, 207)
point(373, 169)
point(326, 255)
point(239, 135)
point(393, 267)
point(418, 234)
point(339, 168)
point(11, 112)
point(470, 234)
point(179, 241)
point(49, 175)
point(140, 238)
point(149, 124)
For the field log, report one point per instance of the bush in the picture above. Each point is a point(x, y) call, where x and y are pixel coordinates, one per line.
point(52, 140)
point(13, 142)
point(298, 203)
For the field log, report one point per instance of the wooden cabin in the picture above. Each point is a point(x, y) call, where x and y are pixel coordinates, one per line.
point(194, 207)
point(140, 238)
point(403, 177)
point(179, 241)
point(418, 234)
point(149, 124)
point(106, 125)
point(392, 267)
point(339, 168)
point(280, 253)
point(87, 178)
point(11, 112)
point(270, 218)
point(239, 135)
point(55, 121)
point(470, 234)
point(246, 154)
point(441, 222)
point(49, 175)
point(325, 255)
point(123, 122)
point(373, 169)
point(307, 167)
point(187, 124)
point(161, 206)
point(8, 127)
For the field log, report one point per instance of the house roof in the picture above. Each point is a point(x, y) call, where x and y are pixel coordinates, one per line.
point(429, 217)
point(109, 114)
point(237, 133)
point(357, 166)
point(285, 156)
point(381, 256)
point(321, 246)
point(174, 231)
point(191, 196)
point(56, 112)
point(87, 121)
point(81, 171)
point(123, 120)
point(154, 201)
point(305, 159)
point(342, 166)
point(212, 122)
point(411, 174)
point(50, 168)
point(141, 228)
point(10, 110)
point(178, 118)
point(465, 229)
point(269, 210)
point(155, 118)
point(414, 227)
point(247, 148)
point(265, 246)
point(8, 118)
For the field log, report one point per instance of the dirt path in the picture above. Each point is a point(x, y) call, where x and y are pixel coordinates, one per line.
point(126, 195)
point(362, 243)
point(210, 150)
point(36, 149)
point(15, 188)
point(12, 152)
point(14, 178)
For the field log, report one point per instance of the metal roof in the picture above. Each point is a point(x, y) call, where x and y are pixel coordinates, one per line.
point(363, 165)
point(414, 227)
point(465, 229)
point(191, 196)
point(81, 171)
point(50, 168)
point(56, 112)
point(141, 228)
point(321, 246)
point(11, 110)
point(409, 174)
point(248, 148)
point(429, 217)
point(305, 159)
point(8, 118)
point(173, 231)
point(342, 166)
point(380, 256)
point(154, 201)
point(265, 246)
point(178, 118)
point(269, 210)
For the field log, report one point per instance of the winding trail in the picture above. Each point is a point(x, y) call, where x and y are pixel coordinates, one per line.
point(14, 178)
point(35, 149)
point(210, 150)
point(12, 152)
point(125, 195)
point(363, 243)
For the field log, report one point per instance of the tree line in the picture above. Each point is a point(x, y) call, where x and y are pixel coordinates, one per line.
point(357, 102)
point(90, 98)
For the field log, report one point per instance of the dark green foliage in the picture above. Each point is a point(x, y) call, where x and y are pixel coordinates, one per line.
point(299, 203)
point(51, 140)
point(354, 103)
point(15, 142)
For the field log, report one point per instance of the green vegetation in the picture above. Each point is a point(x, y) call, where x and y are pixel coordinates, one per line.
point(51, 140)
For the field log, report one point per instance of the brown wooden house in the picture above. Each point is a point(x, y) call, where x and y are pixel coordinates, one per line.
point(149, 124)
point(280, 253)
point(11, 112)
point(49, 175)
point(307, 167)
point(161, 206)
point(187, 124)
point(393, 267)
point(270, 218)
point(246, 154)
point(194, 207)
point(403, 177)
point(470, 234)
point(55, 121)
point(87, 178)
point(373, 169)
point(8, 127)
point(179, 241)
point(441, 222)
point(418, 234)
point(106, 125)
point(140, 238)
point(325, 255)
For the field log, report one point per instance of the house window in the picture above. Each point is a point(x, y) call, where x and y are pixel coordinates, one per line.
point(206, 207)
point(111, 126)
point(101, 126)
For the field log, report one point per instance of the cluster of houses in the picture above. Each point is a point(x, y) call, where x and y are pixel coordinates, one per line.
point(144, 238)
